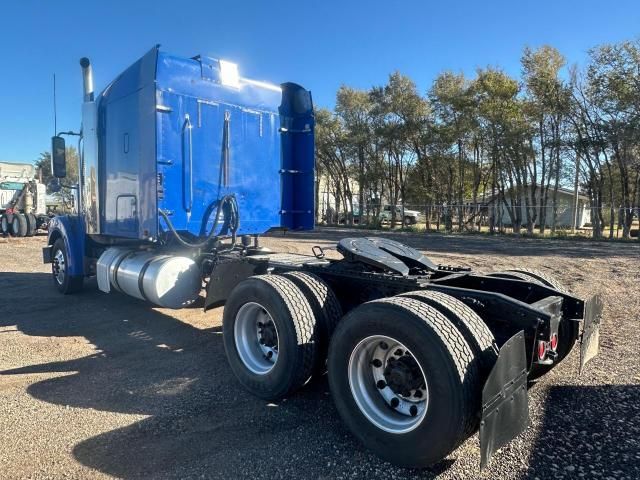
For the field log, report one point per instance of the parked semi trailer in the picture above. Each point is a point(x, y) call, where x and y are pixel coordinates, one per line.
point(184, 163)
point(23, 209)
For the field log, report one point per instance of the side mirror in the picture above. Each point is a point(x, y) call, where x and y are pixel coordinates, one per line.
point(58, 157)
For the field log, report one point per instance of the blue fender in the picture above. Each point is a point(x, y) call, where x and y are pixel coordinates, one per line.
point(71, 229)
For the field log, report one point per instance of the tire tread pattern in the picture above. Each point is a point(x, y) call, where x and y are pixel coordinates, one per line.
point(322, 294)
point(303, 322)
point(471, 326)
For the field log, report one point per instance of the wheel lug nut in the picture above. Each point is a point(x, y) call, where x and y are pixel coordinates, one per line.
point(381, 384)
point(376, 363)
point(383, 345)
point(398, 352)
point(413, 410)
point(395, 402)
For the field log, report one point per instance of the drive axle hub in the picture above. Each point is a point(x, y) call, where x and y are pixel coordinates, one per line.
point(268, 335)
point(403, 375)
point(256, 338)
point(388, 384)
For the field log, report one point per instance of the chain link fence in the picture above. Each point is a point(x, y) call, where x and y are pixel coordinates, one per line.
point(559, 220)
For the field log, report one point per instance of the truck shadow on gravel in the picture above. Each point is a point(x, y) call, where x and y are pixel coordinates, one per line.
point(588, 432)
point(200, 420)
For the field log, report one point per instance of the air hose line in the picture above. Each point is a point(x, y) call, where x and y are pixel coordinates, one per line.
point(233, 223)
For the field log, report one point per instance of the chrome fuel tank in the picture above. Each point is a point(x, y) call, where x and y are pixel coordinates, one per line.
point(166, 280)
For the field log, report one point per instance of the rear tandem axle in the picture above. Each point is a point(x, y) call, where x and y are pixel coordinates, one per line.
point(411, 329)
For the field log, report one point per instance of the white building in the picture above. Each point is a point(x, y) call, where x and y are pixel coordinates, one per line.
point(564, 209)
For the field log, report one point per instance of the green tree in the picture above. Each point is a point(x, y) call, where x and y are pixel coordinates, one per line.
point(332, 159)
point(399, 113)
point(549, 104)
point(354, 109)
point(613, 89)
point(513, 143)
point(504, 126)
point(453, 105)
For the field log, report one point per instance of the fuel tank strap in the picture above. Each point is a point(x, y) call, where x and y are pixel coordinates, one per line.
point(143, 270)
point(117, 266)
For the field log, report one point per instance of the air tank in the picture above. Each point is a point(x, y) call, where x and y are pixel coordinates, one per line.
point(166, 280)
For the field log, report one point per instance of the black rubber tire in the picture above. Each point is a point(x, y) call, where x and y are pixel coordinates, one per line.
point(31, 224)
point(295, 323)
point(469, 324)
point(515, 275)
point(70, 284)
point(326, 310)
point(5, 223)
point(19, 225)
point(446, 359)
point(568, 331)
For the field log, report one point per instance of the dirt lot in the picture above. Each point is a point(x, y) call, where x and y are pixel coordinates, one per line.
point(95, 385)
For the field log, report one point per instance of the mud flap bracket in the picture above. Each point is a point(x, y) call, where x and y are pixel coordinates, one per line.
point(590, 339)
point(505, 409)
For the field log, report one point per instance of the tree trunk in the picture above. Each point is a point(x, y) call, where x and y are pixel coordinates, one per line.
point(317, 198)
point(361, 184)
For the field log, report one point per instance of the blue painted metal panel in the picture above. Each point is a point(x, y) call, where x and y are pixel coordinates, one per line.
point(190, 134)
point(71, 229)
point(127, 152)
point(184, 76)
point(298, 160)
point(163, 145)
point(192, 179)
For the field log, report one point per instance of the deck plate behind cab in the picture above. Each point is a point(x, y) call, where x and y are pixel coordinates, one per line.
point(384, 253)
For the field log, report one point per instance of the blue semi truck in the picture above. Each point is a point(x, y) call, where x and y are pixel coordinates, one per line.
point(184, 163)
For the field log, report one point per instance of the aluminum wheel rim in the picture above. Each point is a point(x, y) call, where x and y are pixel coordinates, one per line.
point(253, 326)
point(388, 410)
point(58, 266)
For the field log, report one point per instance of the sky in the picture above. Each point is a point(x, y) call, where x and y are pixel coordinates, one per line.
point(318, 44)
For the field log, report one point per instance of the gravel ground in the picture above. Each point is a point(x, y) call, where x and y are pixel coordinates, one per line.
point(98, 386)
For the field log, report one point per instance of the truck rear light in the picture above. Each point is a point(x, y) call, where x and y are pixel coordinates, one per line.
point(554, 342)
point(542, 350)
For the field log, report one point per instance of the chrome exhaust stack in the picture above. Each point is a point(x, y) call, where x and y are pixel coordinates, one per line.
point(89, 181)
point(87, 79)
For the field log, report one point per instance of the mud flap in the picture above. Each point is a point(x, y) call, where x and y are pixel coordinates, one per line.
point(505, 409)
point(590, 339)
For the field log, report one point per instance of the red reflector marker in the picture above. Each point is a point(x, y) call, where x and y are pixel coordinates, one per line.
point(554, 341)
point(542, 350)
